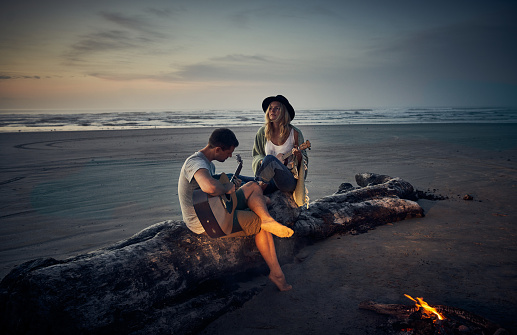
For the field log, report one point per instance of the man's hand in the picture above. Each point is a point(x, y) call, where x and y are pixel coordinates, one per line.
point(212, 186)
point(237, 182)
point(232, 189)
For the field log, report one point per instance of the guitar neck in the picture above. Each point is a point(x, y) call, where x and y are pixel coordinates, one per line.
point(303, 146)
point(237, 172)
point(288, 154)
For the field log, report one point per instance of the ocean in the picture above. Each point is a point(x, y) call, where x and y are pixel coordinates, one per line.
point(47, 120)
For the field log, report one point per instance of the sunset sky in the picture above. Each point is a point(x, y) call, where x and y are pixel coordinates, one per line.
point(200, 54)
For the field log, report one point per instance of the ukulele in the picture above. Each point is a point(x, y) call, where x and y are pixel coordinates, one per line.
point(291, 162)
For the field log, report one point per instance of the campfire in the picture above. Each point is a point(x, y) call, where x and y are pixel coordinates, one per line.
point(423, 319)
point(426, 309)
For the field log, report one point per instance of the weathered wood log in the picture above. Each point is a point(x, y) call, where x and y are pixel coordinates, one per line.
point(398, 311)
point(166, 279)
point(454, 317)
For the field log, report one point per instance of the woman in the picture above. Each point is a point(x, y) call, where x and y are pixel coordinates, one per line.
point(276, 139)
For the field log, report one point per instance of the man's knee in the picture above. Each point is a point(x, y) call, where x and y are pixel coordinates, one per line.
point(251, 187)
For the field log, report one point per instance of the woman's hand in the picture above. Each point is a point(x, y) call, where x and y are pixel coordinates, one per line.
point(298, 154)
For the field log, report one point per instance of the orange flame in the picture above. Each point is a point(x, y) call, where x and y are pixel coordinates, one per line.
point(427, 309)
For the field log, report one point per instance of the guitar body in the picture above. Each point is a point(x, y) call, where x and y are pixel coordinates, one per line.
point(216, 212)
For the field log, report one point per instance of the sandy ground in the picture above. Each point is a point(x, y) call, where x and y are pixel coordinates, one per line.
point(69, 193)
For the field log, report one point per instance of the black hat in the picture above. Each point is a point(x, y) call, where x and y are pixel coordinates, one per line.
point(280, 98)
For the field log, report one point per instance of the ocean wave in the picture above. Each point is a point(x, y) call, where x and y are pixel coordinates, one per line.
point(12, 121)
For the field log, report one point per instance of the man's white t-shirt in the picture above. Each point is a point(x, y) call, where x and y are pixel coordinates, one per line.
point(186, 186)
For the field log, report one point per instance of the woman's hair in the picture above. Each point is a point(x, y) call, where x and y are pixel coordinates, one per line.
point(223, 138)
point(285, 123)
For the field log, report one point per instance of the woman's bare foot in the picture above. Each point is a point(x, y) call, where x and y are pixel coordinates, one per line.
point(280, 282)
point(276, 228)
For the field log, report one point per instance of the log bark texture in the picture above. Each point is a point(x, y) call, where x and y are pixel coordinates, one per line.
point(165, 279)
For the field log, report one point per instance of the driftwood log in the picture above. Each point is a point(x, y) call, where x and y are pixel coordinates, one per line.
point(456, 320)
point(167, 280)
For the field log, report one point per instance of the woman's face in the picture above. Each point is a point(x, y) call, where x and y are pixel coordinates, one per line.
point(274, 111)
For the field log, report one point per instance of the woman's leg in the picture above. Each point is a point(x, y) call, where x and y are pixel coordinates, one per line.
point(273, 170)
point(266, 246)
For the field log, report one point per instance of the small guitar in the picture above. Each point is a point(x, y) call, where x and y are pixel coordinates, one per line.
point(216, 212)
point(291, 162)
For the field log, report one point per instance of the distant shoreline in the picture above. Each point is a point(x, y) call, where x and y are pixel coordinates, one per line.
point(110, 120)
point(78, 130)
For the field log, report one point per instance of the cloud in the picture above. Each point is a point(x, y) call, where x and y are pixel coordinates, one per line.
point(164, 12)
point(257, 14)
point(124, 76)
point(481, 49)
point(132, 34)
point(104, 41)
point(324, 12)
point(10, 77)
point(238, 68)
point(278, 13)
point(229, 68)
point(132, 23)
point(240, 58)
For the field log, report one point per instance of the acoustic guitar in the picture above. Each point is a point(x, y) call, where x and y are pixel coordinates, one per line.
point(291, 162)
point(216, 212)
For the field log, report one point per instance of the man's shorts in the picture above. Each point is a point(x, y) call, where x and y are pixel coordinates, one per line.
point(245, 221)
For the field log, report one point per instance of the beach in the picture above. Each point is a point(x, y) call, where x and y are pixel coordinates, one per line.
point(67, 193)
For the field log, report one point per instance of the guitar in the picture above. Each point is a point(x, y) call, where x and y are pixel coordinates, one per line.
point(291, 162)
point(239, 167)
point(216, 212)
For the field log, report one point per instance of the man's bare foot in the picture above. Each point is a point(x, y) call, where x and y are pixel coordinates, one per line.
point(276, 228)
point(280, 282)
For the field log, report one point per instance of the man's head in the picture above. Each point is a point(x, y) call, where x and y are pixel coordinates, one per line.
point(223, 138)
point(224, 141)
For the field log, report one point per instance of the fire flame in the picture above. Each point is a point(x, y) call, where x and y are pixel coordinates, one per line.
point(427, 309)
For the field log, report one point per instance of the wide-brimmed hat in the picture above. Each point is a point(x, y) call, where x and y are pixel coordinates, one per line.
point(280, 98)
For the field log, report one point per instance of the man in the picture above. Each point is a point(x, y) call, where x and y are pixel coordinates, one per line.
point(198, 172)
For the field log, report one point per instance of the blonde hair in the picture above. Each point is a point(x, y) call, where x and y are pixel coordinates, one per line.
point(285, 124)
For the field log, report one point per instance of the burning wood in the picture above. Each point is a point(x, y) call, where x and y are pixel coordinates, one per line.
point(428, 310)
point(422, 319)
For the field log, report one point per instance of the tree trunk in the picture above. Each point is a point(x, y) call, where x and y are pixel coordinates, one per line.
point(166, 279)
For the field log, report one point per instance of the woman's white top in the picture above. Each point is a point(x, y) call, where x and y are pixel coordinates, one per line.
point(288, 145)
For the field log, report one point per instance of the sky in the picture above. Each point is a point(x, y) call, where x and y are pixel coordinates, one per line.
point(225, 54)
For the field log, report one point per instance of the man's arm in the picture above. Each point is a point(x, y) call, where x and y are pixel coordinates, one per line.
point(210, 185)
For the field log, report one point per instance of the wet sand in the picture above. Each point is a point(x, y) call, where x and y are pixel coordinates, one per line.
point(66, 193)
